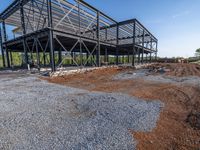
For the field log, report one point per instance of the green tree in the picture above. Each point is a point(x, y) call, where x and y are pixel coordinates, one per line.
point(197, 53)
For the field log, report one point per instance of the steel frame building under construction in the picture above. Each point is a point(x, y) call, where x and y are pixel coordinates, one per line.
point(71, 29)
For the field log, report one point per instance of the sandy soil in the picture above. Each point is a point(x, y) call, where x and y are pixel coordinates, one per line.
point(178, 126)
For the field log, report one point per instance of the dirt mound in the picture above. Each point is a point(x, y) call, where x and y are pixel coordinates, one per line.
point(174, 69)
point(174, 131)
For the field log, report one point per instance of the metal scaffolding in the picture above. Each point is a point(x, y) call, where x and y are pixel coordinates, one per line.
point(73, 30)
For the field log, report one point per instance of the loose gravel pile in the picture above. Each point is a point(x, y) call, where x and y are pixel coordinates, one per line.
point(146, 75)
point(38, 115)
point(134, 74)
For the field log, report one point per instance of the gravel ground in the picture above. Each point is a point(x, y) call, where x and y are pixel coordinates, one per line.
point(146, 75)
point(38, 115)
point(135, 74)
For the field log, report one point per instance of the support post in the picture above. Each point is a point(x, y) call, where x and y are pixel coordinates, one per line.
point(37, 54)
point(24, 32)
point(87, 57)
point(5, 39)
point(106, 50)
point(143, 47)
point(156, 50)
point(133, 60)
point(150, 58)
point(72, 58)
point(151, 50)
point(11, 59)
point(117, 48)
point(50, 25)
point(2, 51)
point(98, 53)
point(106, 56)
point(80, 40)
point(60, 55)
point(81, 52)
point(128, 57)
point(139, 56)
point(146, 58)
point(44, 58)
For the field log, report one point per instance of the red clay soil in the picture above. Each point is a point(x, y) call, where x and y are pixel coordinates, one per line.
point(177, 127)
point(179, 70)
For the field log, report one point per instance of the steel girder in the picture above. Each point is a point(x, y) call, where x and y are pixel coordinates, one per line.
point(76, 19)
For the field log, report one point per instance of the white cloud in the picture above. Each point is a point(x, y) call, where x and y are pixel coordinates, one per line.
point(181, 14)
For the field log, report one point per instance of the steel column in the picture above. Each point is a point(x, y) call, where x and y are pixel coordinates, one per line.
point(98, 53)
point(87, 57)
point(11, 59)
point(106, 50)
point(117, 46)
point(128, 57)
point(51, 39)
point(143, 47)
point(2, 51)
point(37, 54)
point(151, 49)
point(133, 60)
point(150, 58)
point(81, 53)
point(5, 39)
point(138, 55)
point(60, 55)
point(24, 32)
point(146, 58)
point(80, 40)
point(156, 50)
point(106, 56)
point(72, 56)
point(44, 58)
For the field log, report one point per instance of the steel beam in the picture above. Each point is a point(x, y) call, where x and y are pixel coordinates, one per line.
point(91, 26)
point(106, 16)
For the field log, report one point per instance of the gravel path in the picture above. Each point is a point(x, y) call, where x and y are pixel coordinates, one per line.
point(37, 115)
point(146, 75)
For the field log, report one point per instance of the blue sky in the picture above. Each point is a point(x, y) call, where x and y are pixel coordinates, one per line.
point(176, 23)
